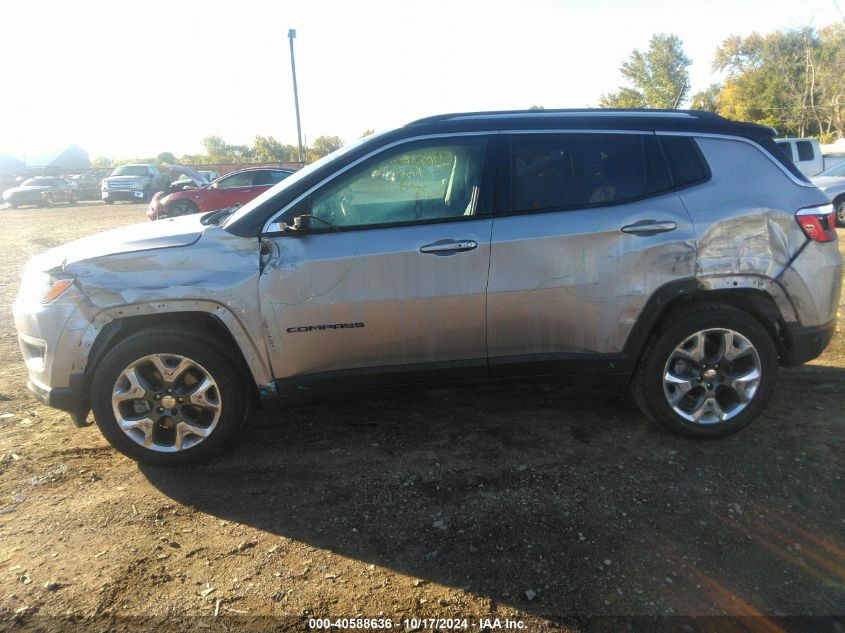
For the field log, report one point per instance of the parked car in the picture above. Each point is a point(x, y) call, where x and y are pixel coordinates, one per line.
point(807, 155)
point(40, 191)
point(832, 183)
point(238, 187)
point(137, 183)
point(87, 186)
point(677, 252)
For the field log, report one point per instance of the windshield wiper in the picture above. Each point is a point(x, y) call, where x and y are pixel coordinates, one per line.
point(217, 217)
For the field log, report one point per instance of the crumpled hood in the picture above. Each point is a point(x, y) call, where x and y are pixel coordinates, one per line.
point(198, 179)
point(181, 231)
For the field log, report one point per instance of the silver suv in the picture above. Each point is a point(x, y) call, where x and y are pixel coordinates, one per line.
point(678, 251)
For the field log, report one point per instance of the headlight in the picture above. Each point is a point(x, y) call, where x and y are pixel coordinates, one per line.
point(137, 184)
point(44, 287)
point(56, 288)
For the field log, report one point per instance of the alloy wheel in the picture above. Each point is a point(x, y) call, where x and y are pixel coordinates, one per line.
point(712, 376)
point(166, 402)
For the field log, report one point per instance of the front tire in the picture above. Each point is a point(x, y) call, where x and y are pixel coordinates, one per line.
point(708, 372)
point(183, 207)
point(168, 397)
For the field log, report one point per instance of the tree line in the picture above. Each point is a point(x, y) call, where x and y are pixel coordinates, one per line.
point(264, 149)
point(793, 81)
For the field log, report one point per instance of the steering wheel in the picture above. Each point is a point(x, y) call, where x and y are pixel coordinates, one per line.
point(344, 207)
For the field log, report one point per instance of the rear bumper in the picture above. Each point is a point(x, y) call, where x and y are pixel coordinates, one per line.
point(806, 343)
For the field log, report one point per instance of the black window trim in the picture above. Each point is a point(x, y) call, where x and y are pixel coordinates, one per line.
point(483, 196)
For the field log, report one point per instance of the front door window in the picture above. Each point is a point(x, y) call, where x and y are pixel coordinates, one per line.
point(427, 182)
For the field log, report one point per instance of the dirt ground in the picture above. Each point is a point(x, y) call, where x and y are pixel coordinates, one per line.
point(550, 505)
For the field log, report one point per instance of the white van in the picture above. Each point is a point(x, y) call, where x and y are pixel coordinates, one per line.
point(807, 155)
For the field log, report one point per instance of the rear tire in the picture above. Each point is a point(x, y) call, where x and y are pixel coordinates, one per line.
point(719, 393)
point(107, 201)
point(154, 428)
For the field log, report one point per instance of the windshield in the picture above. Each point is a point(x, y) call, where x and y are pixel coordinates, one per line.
point(37, 182)
point(293, 179)
point(130, 170)
point(836, 170)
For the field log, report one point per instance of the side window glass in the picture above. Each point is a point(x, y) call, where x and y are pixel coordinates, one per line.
point(278, 176)
point(805, 150)
point(786, 148)
point(237, 180)
point(431, 180)
point(558, 171)
point(686, 164)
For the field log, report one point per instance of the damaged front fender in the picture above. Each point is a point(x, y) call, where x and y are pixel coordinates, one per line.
point(217, 275)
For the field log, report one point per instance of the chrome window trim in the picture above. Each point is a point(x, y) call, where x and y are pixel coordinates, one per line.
point(728, 137)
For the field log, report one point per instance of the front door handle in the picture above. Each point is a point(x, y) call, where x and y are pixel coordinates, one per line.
point(649, 227)
point(447, 247)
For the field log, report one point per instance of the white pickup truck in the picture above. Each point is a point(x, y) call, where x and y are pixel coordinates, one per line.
point(808, 156)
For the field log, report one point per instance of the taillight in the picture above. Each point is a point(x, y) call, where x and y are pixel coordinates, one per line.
point(818, 223)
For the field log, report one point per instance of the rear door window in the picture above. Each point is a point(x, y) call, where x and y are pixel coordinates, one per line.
point(576, 170)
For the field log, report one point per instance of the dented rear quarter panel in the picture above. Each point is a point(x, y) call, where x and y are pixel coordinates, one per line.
point(747, 235)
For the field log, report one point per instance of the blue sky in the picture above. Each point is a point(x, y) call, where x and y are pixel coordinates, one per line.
point(126, 79)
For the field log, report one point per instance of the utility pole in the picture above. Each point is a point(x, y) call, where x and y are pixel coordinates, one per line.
point(291, 37)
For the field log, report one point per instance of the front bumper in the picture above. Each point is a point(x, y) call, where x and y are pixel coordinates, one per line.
point(803, 344)
point(122, 194)
point(50, 337)
point(70, 399)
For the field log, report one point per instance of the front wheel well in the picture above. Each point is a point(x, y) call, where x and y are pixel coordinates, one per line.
point(201, 323)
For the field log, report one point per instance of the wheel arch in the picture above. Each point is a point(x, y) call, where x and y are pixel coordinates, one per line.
point(763, 300)
point(224, 331)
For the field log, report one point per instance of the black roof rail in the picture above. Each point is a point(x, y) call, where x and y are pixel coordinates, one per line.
point(565, 112)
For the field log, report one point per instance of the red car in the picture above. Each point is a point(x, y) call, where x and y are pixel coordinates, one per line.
point(238, 187)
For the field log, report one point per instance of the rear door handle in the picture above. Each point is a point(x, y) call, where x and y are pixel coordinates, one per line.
point(649, 227)
point(447, 247)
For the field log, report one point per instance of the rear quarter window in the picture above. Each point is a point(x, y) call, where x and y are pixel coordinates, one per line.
point(687, 165)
